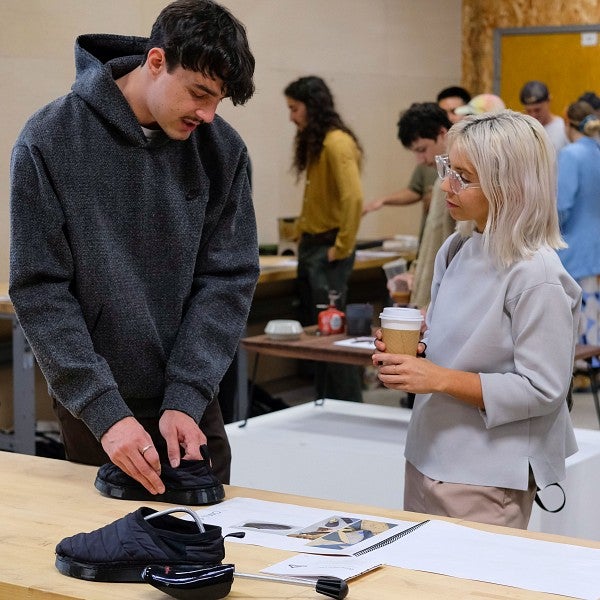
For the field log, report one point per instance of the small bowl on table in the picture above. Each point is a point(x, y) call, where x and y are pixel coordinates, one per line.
point(283, 330)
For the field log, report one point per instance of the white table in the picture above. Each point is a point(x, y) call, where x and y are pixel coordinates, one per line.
point(355, 453)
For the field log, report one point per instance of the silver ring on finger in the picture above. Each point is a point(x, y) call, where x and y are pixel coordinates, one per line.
point(145, 449)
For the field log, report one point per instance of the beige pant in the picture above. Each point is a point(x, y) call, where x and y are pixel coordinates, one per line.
point(484, 504)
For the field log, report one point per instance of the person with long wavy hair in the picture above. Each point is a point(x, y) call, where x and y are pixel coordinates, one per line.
point(329, 155)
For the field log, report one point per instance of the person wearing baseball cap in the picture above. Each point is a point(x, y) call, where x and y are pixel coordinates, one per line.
point(535, 99)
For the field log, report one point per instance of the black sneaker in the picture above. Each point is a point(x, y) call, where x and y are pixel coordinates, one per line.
point(120, 551)
point(192, 482)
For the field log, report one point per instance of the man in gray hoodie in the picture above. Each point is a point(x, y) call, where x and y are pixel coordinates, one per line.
point(134, 255)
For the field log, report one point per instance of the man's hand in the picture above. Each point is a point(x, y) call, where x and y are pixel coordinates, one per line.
point(181, 431)
point(130, 447)
point(399, 198)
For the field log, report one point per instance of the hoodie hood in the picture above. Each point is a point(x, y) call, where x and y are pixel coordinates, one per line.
point(99, 60)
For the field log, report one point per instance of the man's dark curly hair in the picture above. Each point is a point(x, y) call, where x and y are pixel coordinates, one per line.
point(454, 91)
point(202, 36)
point(321, 116)
point(421, 120)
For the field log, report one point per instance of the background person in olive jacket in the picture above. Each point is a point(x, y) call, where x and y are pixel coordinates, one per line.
point(329, 154)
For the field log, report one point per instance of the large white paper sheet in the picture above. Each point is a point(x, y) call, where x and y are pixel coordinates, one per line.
point(358, 342)
point(458, 551)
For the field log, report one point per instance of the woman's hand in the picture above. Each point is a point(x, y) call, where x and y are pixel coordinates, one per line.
point(401, 371)
point(421, 376)
point(408, 373)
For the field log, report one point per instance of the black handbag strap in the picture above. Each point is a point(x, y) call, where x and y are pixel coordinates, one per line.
point(455, 245)
point(539, 502)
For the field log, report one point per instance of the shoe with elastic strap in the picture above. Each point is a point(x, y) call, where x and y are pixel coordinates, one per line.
point(120, 551)
point(191, 483)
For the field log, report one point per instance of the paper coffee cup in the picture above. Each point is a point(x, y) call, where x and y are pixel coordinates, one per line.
point(401, 329)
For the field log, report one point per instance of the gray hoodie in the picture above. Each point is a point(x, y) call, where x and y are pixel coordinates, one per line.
point(133, 262)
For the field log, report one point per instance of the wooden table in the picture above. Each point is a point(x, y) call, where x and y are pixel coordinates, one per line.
point(280, 268)
point(276, 297)
point(310, 346)
point(276, 291)
point(44, 500)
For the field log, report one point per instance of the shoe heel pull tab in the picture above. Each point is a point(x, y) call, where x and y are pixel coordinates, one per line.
point(205, 454)
point(184, 509)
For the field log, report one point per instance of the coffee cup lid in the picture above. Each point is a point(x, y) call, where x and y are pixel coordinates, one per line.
point(401, 313)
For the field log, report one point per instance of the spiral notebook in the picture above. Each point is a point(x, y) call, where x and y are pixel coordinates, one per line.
point(390, 540)
point(313, 566)
point(304, 529)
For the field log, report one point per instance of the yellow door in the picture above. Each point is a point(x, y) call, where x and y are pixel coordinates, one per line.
point(568, 62)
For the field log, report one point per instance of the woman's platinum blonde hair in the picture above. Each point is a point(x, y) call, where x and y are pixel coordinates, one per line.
point(516, 166)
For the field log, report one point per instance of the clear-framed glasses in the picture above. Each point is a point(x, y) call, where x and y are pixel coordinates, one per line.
point(455, 181)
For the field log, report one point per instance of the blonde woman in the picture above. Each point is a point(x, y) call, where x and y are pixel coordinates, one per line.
point(490, 422)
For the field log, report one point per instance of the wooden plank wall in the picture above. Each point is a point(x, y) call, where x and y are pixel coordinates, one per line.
point(481, 17)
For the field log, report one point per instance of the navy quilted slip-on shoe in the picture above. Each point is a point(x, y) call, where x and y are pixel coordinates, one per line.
point(119, 552)
point(192, 483)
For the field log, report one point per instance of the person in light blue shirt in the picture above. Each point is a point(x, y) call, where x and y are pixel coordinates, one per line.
point(579, 210)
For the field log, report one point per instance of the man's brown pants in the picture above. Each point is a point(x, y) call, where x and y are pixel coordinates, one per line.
point(82, 447)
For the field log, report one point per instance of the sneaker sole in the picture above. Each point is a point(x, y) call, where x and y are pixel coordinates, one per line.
point(110, 573)
point(210, 583)
point(194, 497)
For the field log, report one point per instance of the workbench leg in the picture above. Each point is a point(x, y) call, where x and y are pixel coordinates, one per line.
point(240, 408)
point(24, 409)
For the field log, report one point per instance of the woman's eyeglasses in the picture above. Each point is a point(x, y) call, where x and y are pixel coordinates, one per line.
point(455, 181)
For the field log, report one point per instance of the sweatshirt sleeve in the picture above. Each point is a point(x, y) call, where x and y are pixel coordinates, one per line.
point(226, 273)
point(541, 319)
point(41, 277)
point(345, 170)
